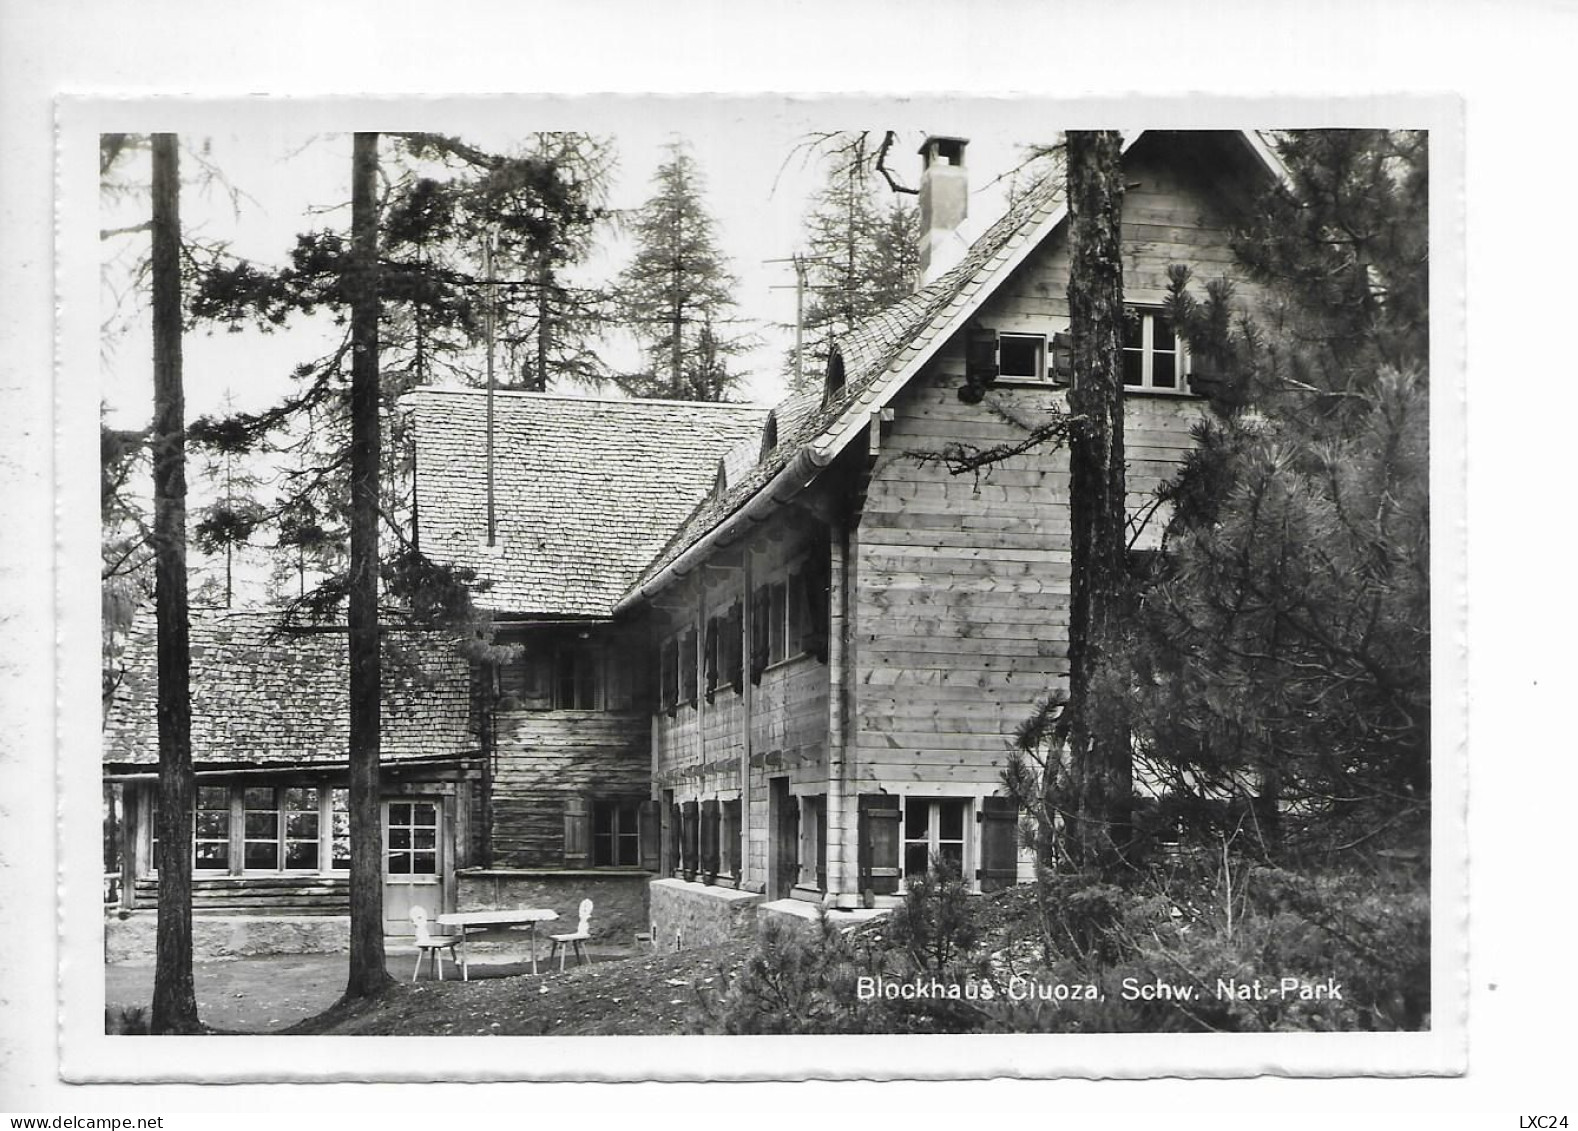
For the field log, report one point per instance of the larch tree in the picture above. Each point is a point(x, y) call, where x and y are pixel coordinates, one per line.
point(675, 293)
point(174, 1000)
point(1099, 687)
point(368, 974)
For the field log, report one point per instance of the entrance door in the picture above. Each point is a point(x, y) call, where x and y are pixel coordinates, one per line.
point(783, 823)
point(413, 864)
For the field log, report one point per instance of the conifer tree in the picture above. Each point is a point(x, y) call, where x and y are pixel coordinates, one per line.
point(1287, 672)
point(675, 293)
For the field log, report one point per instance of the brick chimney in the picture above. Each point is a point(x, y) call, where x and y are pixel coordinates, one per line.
point(944, 203)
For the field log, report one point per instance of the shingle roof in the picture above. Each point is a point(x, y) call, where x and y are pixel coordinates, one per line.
point(274, 698)
point(879, 347)
point(586, 491)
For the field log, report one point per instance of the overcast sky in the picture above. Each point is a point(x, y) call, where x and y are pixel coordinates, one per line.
point(288, 176)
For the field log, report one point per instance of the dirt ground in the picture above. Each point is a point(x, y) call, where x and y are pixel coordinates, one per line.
point(270, 994)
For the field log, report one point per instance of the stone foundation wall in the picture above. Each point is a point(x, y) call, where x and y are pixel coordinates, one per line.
point(690, 915)
point(619, 899)
point(230, 936)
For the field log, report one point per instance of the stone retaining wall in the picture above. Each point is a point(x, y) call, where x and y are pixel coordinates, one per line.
point(131, 939)
point(690, 915)
point(619, 898)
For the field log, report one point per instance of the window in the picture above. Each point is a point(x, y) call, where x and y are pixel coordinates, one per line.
point(934, 830)
point(777, 636)
point(575, 679)
point(288, 829)
point(616, 834)
point(413, 839)
point(1022, 356)
point(211, 829)
point(1153, 357)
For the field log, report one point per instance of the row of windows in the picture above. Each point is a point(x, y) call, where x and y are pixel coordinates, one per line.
point(1153, 355)
point(267, 829)
point(788, 619)
point(704, 840)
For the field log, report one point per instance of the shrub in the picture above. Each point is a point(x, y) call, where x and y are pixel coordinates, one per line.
point(126, 1020)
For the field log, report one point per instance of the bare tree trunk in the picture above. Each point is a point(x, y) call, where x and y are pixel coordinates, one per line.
point(174, 1003)
point(1099, 744)
point(368, 974)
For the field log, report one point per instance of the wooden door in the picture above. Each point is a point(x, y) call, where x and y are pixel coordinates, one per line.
point(413, 860)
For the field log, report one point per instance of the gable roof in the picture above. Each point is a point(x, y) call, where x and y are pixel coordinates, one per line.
point(586, 490)
point(265, 697)
point(880, 356)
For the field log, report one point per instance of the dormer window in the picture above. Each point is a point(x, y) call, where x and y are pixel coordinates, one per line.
point(1153, 355)
point(835, 375)
point(769, 435)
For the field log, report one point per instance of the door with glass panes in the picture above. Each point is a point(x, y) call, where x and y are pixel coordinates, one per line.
point(413, 861)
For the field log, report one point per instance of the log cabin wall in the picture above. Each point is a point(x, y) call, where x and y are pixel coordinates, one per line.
point(961, 584)
point(564, 738)
point(701, 743)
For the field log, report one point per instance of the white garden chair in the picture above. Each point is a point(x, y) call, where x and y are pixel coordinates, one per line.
point(574, 938)
point(427, 943)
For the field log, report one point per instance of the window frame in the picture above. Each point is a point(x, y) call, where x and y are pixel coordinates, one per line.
point(616, 813)
point(582, 664)
point(236, 839)
point(1147, 352)
point(933, 838)
point(1041, 370)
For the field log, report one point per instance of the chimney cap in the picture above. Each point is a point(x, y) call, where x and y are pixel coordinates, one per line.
point(945, 145)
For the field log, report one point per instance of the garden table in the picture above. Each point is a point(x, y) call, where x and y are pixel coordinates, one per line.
point(527, 917)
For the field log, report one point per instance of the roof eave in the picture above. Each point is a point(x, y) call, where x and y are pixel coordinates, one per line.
point(775, 494)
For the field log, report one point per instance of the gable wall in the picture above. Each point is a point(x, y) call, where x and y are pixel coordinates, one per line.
point(962, 583)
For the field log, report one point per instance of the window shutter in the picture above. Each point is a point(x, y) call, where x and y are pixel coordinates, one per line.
point(676, 824)
point(816, 602)
point(735, 646)
point(577, 831)
point(709, 649)
point(690, 838)
point(537, 689)
point(650, 823)
point(687, 667)
point(761, 615)
point(999, 819)
point(709, 840)
point(669, 666)
point(879, 843)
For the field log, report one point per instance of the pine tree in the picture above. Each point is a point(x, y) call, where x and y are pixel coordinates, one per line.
point(1288, 673)
point(676, 291)
point(174, 999)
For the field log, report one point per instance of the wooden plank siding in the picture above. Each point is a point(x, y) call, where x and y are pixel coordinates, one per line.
point(962, 583)
point(542, 758)
point(260, 895)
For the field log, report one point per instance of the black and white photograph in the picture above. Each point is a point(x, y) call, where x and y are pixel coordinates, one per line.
point(771, 568)
point(913, 560)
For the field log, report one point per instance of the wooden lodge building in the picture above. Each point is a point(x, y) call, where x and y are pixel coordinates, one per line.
point(768, 658)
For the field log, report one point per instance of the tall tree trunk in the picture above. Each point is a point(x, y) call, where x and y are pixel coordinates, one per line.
point(1100, 751)
point(368, 974)
point(174, 1003)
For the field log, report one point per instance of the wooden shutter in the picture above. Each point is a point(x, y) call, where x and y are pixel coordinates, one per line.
point(577, 831)
point(816, 603)
point(690, 838)
point(537, 681)
point(999, 820)
point(687, 667)
point(709, 840)
point(879, 843)
point(709, 650)
point(650, 822)
point(670, 676)
point(734, 626)
point(675, 824)
point(761, 616)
